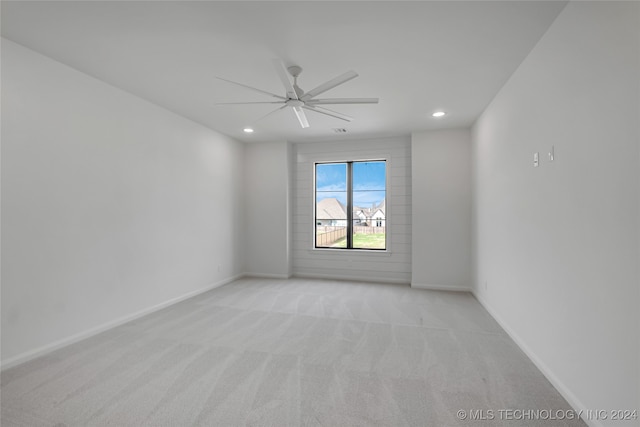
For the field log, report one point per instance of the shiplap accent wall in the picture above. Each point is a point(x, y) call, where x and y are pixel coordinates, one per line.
point(394, 265)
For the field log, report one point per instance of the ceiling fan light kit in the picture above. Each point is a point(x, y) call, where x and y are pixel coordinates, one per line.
point(298, 100)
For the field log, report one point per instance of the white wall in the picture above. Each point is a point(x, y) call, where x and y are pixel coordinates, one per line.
point(391, 266)
point(558, 245)
point(441, 209)
point(110, 205)
point(267, 209)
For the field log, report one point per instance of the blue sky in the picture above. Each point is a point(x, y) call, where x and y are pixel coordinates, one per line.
point(369, 180)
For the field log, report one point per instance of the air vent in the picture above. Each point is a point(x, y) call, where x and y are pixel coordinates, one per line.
point(339, 130)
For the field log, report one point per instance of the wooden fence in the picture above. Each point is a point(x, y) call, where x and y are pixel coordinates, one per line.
point(328, 235)
point(368, 230)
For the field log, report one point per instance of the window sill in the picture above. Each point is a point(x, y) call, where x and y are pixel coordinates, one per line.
point(356, 252)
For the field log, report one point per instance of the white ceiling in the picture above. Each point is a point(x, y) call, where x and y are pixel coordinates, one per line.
point(417, 57)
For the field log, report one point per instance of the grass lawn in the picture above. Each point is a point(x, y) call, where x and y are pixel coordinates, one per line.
point(363, 241)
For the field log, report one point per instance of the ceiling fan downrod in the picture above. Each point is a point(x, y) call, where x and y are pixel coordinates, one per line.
point(295, 71)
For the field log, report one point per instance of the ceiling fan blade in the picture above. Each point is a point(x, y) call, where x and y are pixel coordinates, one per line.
point(328, 112)
point(253, 88)
point(330, 85)
point(243, 103)
point(271, 112)
point(302, 118)
point(284, 78)
point(343, 101)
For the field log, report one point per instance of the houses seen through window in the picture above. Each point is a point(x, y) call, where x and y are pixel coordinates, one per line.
point(351, 205)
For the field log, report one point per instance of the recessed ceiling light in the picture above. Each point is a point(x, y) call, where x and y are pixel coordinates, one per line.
point(248, 130)
point(438, 114)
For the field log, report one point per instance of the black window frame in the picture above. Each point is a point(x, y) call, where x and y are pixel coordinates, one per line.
point(349, 207)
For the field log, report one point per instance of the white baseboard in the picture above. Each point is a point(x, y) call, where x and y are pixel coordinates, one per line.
point(41, 351)
point(350, 278)
point(268, 275)
point(571, 398)
point(440, 287)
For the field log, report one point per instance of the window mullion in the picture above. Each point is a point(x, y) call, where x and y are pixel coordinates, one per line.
point(350, 205)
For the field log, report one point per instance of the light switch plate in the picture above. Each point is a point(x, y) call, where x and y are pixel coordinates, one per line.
point(536, 160)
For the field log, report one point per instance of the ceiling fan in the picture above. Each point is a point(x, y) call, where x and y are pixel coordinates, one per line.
point(299, 100)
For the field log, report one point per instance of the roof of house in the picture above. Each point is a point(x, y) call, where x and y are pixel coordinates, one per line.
point(330, 208)
point(369, 212)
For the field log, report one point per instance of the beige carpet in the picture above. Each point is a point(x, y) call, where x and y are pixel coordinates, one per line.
point(290, 353)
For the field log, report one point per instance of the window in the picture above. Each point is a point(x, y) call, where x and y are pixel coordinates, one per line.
point(351, 205)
